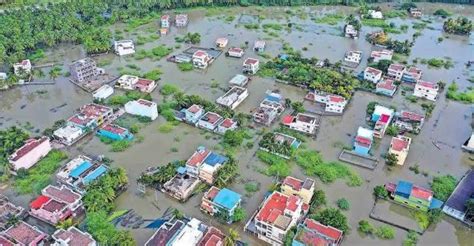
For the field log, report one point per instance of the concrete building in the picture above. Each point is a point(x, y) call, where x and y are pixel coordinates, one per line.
point(201, 59)
point(213, 236)
point(68, 134)
point(372, 74)
point(363, 141)
point(233, 97)
point(409, 121)
point(400, 146)
point(142, 107)
point(259, 46)
point(235, 52)
point(8, 211)
point(415, 13)
point(413, 196)
point(23, 233)
point(396, 71)
point(469, 144)
point(427, 90)
point(381, 55)
point(114, 132)
point(226, 125)
point(265, 115)
point(350, 32)
point(239, 80)
point(220, 201)
point(79, 172)
point(374, 14)
point(22, 68)
point(181, 186)
point(29, 154)
point(131, 82)
point(181, 20)
point(303, 189)
point(412, 75)
point(386, 87)
point(333, 103)
point(353, 56)
point(209, 121)
point(91, 116)
point(72, 237)
point(455, 206)
point(301, 122)
point(222, 42)
point(193, 113)
point(103, 92)
point(251, 66)
point(124, 47)
point(311, 232)
point(382, 117)
point(84, 70)
point(165, 21)
point(166, 233)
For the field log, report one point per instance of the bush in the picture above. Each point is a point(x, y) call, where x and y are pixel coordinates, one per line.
point(380, 192)
point(234, 138)
point(365, 227)
point(185, 66)
point(119, 146)
point(385, 232)
point(343, 204)
point(153, 74)
point(166, 128)
point(277, 166)
point(443, 186)
point(392, 130)
point(239, 215)
point(251, 187)
point(169, 89)
point(332, 217)
point(441, 12)
point(411, 240)
point(318, 200)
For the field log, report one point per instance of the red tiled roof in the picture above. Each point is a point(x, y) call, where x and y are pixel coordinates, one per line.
point(421, 193)
point(74, 237)
point(39, 201)
point(61, 193)
point(144, 82)
point(387, 84)
point(372, 70)
point(292, 204)
point(54, 205)
point(145, 102)
point(398, 144)
point(412, 116)
point(287, 119)
point(222, 40)
point(251, 61)
point(80, 119)
point(274, 206)
point(113, 128)
point(384, 118)
point(213, 237)
point(235, 49)
point(414, 70)
point(194, 108)
point(336, 99)
point(24, 233)
point(211, 117)
point(328, 231)
point(5, 242)
point(396, 67)
point(227, 123)
point(363, 141)
point(25, 62)
point(427, 84)
point(29, 145)
point(200, 53)
point(212, 193)
point(295, 183)
point(93, 109)
point(198, 157)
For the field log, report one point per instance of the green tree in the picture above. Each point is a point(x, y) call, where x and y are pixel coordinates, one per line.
point(385, 232)
point(343, 204)
point(411, 240)
point(365, 227)
point(443, 186)
point(332, 217)
point(54, 73)
point(318, 200)
point(298, 107)
point(380, 192)
point(231, 237)
point(391, 159)
point(239, 215)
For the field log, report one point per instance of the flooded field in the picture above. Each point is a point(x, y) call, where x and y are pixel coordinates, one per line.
point(449, 125)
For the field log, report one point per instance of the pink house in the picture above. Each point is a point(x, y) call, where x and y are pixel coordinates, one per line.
point(25, 234)
point(145, 85)
point(56, 204)
point(30, 153)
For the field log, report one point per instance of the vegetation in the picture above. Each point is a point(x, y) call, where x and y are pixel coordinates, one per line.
point(105, 232)
point(441, 12)
point(278, 166)
point(366, 228)
point(193, 38)
point(380, 192)
point(411, 240)
point(343, 204)
point(39, 176)
point(11, 139)
point(454, 94)
point(162, 174)
point(102, 192)
point(234, 138)
point(121, 145)
point(330, 19)
point(185, 66)
point(239, 215)
point(385, 232)
point(443, 186)
point(269, 143)
point(460, 25)
point(169, 89)
point(392, 130)
point(318, 200)
point(120, 100)
point(333, 217)
point(391, 159)
point(227, 173)
point(154, 74)
point(438, 63)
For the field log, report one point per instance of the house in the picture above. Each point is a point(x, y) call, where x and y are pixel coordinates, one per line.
point(311, 232)
point(455, 206)
point(226, 125)
point(233, 97)
point(103, 92)
point(210, 166)
point(79, 172)
point(163, 31)
point(372, 74)
point(427, 90)
point(181, 185)
point(193, 113)
point(193, 164)
point(363, 141)
point(165, 21)
point(399, 146)
point(382, 117)
point(333, 103)
point(259, 46)
point(131, 82)
point(191, 233)
point(251, 66)
point(8, 211)
point(201, 59)
point(56, 204)
point(84, 70)
point(265, 115)
point(386, 87)
point(273, 100)
point(303, 189)
point(166, 233)
point(413, 196)
point(181, 20)
point(124, 47)
point(5, 241)
point(23, 233)
point(22, 68)
point(353, 56)
point(374, 14)
point(68, 134)
point(239, 80)
point(212, 237)
point(276, 216)
point(396, 71)
point(415, 13)
point(235, 52)
point(90, 116)
point(222, 42)
point(222, 202)
point(72, 236)
point(142, 107)
point(377, 55)
point(114, 132)
point(29, 154)
point(350, 31)
point(301, 122)
point(409, 121)
point(412, 75)
point(209, 121)
point(469, 144)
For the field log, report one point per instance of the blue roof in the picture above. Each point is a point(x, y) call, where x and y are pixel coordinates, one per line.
point(181, 170)
point(435, 203)
point(214, 159)
point(273, 98)
point(404, 187)
point(95, 174)
point(76, 172)
point(227, 198)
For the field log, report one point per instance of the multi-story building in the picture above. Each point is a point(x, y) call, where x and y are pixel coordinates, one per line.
point(363, 141)
point(124, 47)
point(233, 97)
point(193, 113)
point(68, 134)
point(399, 146)
point(377, 55)
point(412, 75)
point(386, 87)
point(382, 116)
point(221, 203)
point(212, 237)
point(181, 20)
point(84, 70)
point(29, 154)
point(201, 59)
point(103, 92)
point(265, 115)
point(427, 90)
point(209, 121)
point(23, 233)
point(165, 21)
point(333, 103)
point(455, 206)
point(372, 74)
point(235, 52)
point(251, 66)
point(353, 56)
point(226, 125)
point(396, 71)
point(301, 122)
point(259, 46)
point(350, 31)
point(91, 116)
point(142, 107)
point(8, 212)
point(293, 186)
point(131, 82)
point(79, 172)
point(415, 13)
point(311, 232)
point(409, 121)
point(413, 196)
point(72, 236)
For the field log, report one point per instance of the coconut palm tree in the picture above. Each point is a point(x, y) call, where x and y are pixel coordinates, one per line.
point(232, 238)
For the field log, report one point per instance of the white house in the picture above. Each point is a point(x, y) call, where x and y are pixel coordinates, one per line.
point(333, 103)
point(209, 121)
point(239, 80)
point(3, 76)
point(142, 107)
point(378, 55)
point(353, 56)
point(259, 46)
point(30, 153)
point(22, 68)
point(374, 14)
point(396, 71)
point(201, 59)
point(124, 47)
point(301, 122)
point(425, 89)
point(222, 42)
point(235, 52)
point(68, 134)
point(372, 74)
point(251, 66)
point(165, 21)
point(131, 82)
point(103, 92)
point(181, 20)
point(226, 125)
point(350, 31)
point(234, 97)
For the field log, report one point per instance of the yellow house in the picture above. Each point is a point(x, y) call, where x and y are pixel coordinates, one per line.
point(293, 186)
point(400, 146)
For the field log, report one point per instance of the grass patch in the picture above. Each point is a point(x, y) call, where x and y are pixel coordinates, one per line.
point(454, 94)
point(278, 166)
point(185, 66)
point(166, 128)
point(120, 146)
point(331, 19)
point(375, 23)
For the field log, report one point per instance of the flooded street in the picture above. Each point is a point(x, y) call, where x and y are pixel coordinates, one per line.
point(449, 124)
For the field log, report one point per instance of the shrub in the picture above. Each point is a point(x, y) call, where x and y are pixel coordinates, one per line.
point(443, 186)
point(332, 217)
point(385, 232)
point(343, 204)
point(365, 227)
point(185, 66)
point(119, 146)
point(169, 89)
point(380, 192)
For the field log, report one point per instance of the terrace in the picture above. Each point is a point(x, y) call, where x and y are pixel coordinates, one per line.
point(8, 210)
point(181, 186)
point(233, 98)
point(25, 234)
point(166, 233)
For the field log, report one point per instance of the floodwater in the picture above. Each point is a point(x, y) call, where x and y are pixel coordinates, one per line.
point(449, 124)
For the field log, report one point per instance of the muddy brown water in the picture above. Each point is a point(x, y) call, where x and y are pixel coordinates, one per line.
point(449, 124)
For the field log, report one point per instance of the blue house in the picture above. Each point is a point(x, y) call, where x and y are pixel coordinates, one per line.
point(114, 132)
point(222, 201)
point(412, 75)
point(193, 113)
point(80, 172)
point(363, 141)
